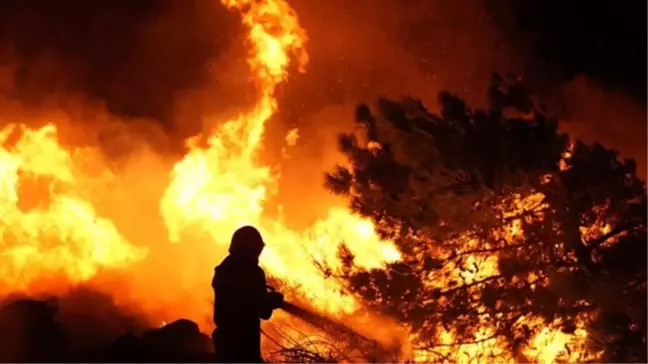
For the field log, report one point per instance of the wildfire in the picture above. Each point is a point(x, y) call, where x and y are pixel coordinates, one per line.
point(215, 188)
point(47, 228)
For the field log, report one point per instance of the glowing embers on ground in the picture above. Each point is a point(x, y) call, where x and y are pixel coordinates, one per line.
point(47, 229)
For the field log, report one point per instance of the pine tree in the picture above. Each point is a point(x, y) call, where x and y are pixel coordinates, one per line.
point(506, 225)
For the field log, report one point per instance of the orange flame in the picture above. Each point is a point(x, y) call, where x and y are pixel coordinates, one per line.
point(60, 233)
point(223, 186)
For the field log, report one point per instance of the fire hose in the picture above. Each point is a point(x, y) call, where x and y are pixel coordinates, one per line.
point(319, 321)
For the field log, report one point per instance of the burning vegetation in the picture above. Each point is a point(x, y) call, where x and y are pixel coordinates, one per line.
point(470, 236)
point(518, 244)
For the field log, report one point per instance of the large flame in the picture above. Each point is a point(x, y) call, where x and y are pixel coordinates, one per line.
point(52, 231)
point(224, 185)
point(46, 228)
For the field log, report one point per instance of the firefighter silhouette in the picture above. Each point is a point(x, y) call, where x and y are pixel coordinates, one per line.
point(241, 300)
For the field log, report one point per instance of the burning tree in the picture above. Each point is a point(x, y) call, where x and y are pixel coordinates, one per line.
point(519, 244)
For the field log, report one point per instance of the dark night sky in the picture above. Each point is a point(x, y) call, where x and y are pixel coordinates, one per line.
point(111, 49)
point(603, 39)
point(100, 48)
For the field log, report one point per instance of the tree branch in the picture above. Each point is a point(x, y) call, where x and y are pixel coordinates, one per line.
point(619, 229)
point(475, 283)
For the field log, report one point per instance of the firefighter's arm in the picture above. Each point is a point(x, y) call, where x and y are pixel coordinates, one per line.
point(268, 302)
point(264, 309)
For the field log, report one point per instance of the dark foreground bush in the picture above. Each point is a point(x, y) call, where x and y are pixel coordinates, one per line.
point(85, 327)
point(32, 331)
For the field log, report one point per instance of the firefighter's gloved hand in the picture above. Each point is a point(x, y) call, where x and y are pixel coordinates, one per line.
point(276, 299)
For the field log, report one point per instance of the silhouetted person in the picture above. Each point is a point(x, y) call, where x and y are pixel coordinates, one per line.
point(241, 300)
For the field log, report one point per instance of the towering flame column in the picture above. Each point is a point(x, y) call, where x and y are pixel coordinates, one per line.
point(216, 189)
point(274, 35)
point(222, 185)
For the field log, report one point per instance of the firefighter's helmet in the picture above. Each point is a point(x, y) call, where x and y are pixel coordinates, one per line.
point(247, 241)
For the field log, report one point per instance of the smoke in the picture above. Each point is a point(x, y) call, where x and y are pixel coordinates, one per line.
point(165, 61)
point(588, 66)
point(174, 61)
point(611, 118)
point(362, 50)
